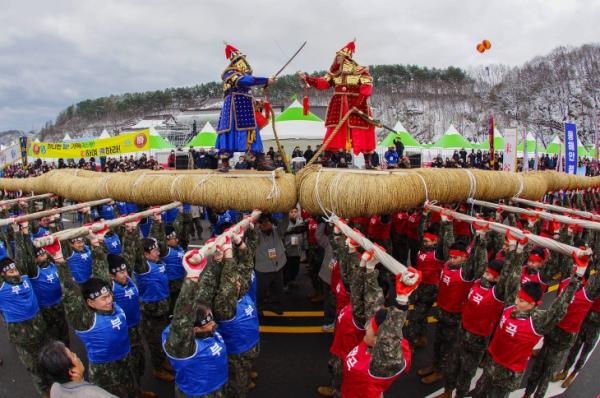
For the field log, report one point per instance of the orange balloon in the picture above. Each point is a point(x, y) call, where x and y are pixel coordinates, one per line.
point(480, 48)
point(487, 44)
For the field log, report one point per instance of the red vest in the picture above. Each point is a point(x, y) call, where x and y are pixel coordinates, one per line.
point(482, 310)
point(357, 381)
point(453, 290)
point(347, 334)
point(412, 224)
point(596, 305)
point(399, 221)
point(378, 230)
point(430, 267)
point(525, 277)
point(363, 223)
point(462, 228)
point(576, 311)
point(513, 341)
point(312, 231)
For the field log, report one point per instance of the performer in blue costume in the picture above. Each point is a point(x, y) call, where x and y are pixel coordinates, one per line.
point(240, 120)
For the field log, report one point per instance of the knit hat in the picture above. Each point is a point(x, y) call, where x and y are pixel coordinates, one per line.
point(116, 263)
point(148, 244)
point(94, 288)
point(7, 264)
point(170, 232)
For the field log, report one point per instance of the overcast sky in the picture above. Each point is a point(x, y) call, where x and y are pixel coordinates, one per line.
point(56, 53)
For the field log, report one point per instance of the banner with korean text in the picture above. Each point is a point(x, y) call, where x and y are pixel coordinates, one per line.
point(570, 148)
point(509, 158)
point(138, 141)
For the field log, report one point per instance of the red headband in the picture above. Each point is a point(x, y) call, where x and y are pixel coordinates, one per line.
point(457, 253)
point(430, 236)
point(493, 272)
point(524, 296)
point(535, 257)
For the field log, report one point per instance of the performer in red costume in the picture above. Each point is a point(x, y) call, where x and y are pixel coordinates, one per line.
point(353, 86)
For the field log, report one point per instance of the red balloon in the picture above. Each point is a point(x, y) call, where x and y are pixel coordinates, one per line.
point(480, 48)
point(487, 44)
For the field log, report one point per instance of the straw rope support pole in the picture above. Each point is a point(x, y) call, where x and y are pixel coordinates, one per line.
point(279, 148)
point(51, 212)
point(542, 214)
point(85, 230)
point(548, 243)
point(26, 199)
point(384, 258)
point(331, 136)
point(560, 209)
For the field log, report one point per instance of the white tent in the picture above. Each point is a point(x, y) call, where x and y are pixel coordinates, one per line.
point(104, 134)
point(292, 124)
point(67, 137)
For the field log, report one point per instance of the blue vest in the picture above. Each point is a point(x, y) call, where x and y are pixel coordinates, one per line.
point(145, 227)
point(174, 262)
point(107, 212)
point(122, 206)
point(205, 371)
point(46, 286)
point(153, 284)
point(241, 332)
point(42, 231)
point(18, 302)
point(3, 253)
point(132, 208)
point(81, 265)
point(128, 298)
point(108, 339)
point(170, 215)
point(113, 244)
point(227, 217)
point(252, 290)
point(187, 208)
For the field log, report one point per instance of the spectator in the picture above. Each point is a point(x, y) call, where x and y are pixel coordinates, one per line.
point(391, 157)
point(171, 160)
point(308, 154)
point(63, 366)
point(242, 164)
point(399, 146)
point(296, 152)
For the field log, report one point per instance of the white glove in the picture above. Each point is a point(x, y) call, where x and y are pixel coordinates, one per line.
point(194, 263)
point(368, 260)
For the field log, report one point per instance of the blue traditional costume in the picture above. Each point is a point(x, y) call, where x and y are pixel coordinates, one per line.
point(240, 121)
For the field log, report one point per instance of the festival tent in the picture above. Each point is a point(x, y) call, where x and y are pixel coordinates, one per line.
point(294, 129)
point(104, 134)
point(157, 142)
point(498, 142)
point(452, 140)
point(67, 137)
point(407, 139)
point(206, 138)
point(530, 140)
point(555, 146)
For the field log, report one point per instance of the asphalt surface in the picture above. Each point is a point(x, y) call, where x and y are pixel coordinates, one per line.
point(290, 365)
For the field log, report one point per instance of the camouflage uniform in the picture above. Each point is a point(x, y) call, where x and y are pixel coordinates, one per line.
point(586, 341)
point(181, 341)
point(54, 316)
point(115, 377)
point(425, 295)
point(447, 332)
point(556, 343)
point(498, 381)
point(472, 347)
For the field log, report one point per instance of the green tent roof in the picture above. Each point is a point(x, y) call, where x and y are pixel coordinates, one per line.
point(556, 144)
point(296, 112)
point(498, 142)
point(452, 140)
point(205, 138)
point(157, 142)
point(407, 139)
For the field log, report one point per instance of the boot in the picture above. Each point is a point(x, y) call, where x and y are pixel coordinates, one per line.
point(569, 380)
point(445, 394)
point(432, 378)
point(427, 371)
point(421, 342)
point(560, 376)
point(326, 391)
point(146, 394)
point(163, 375)
point(368, 165)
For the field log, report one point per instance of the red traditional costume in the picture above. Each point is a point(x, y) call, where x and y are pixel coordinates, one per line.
point(353, 86)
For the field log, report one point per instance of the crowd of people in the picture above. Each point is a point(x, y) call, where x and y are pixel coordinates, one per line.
point(198, 310)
